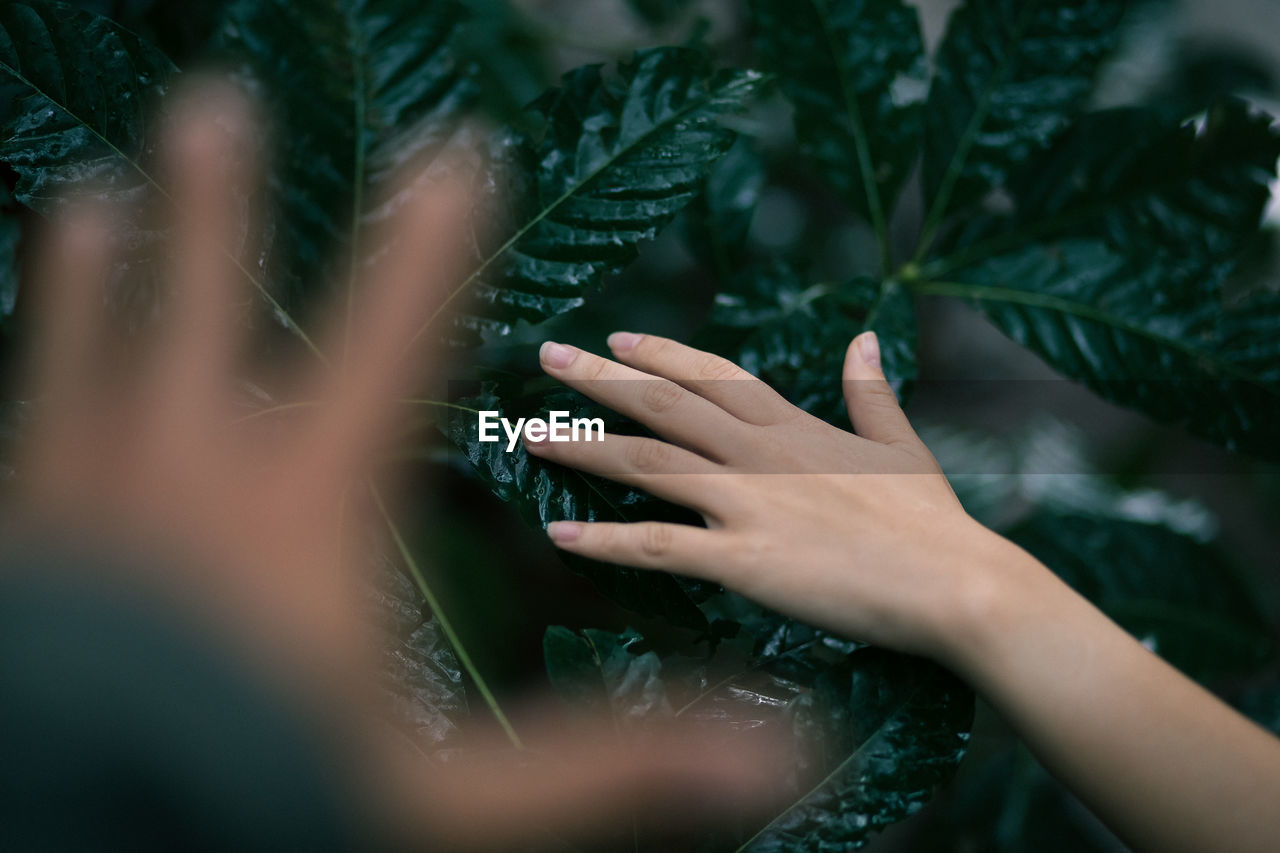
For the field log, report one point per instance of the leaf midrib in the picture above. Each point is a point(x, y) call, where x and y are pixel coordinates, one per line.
point(938, 208)
point(1051, 302)
point(861, 144)
point(275, 306)
point(569, 193)
point(840, 768)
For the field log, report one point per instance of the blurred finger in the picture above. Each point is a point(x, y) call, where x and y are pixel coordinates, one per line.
point(660, 404)
point(72, 266)
point(417, 258)
point(679, 548)
point(709, 376)
point(585, 785)
point(208, 170)
point(666, 471)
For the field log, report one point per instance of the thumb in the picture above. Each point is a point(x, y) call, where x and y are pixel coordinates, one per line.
point(873, 407)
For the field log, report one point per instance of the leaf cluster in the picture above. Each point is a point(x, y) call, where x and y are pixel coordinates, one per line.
point(1104, 241)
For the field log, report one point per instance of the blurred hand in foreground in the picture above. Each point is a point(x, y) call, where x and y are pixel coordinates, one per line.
point(141, 447)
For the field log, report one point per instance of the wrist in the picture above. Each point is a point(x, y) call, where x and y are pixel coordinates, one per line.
point(998, 587)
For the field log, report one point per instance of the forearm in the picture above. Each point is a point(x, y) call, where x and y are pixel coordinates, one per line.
point(1162, 761)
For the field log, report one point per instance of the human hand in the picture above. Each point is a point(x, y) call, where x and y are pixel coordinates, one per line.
point(143, 447)
point(860, 534)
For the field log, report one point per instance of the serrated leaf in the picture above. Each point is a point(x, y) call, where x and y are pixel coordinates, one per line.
point(1180, 596)
point(544, 492)
point(355, 88)
point(421, 668)
point(618, 158)
point(1114, 269)
point(855, 73)
point(599, 672)
point(1009, 78)
point(886, 731)
point(78, 93)
point(718, 223)
point(794, 335)
point(877, 732)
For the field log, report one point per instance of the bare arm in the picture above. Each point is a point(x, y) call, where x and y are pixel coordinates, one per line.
point(878, 548)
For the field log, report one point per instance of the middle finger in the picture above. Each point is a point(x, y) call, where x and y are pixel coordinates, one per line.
point(671, 411)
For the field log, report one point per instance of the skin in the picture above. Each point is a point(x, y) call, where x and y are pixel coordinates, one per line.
point(878, 548)
point(141, 446)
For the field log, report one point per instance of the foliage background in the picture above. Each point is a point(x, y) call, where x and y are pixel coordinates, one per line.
point(1028, 445)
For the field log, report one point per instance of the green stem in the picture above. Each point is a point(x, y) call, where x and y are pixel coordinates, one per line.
point(445, 625)
point(938, 209)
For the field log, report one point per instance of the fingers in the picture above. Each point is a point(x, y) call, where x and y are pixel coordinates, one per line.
point(586, 784)
point(207, 172)
point(660, 404)
point(419, 256)
point(709, 376)
point(666, 471)
point(72, 266)
point(873, 407)
point(682, 548)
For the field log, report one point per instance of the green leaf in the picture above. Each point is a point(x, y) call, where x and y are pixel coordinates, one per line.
point(355, 88)
point(77, 93)
point(877, 732)
point(1180, 596)
point(422, 670)
point(1113, 269)
point(602, 673)
point(884, 732)
point(617, 159)
point(544, 492)
point(1010, 77)
point(855, 73)
point(718, 223)
point(794, 335)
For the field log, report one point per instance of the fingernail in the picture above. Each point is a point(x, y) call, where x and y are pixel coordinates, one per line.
point(869, 348)
point(564, 531)
point(557, 355)
point(623, 341)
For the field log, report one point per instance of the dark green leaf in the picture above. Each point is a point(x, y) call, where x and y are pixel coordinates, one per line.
point(719, 222)
point(76, 94)
point(1113, 269)
point(544, 492)
point(422, 670)
point(878, 732)
point(606, 674)
point(1178, 595)
point(355, 87)
point(794, 335)
point(1010, 76)
point(884, 731)
point(855, 73)
point(618, 158)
